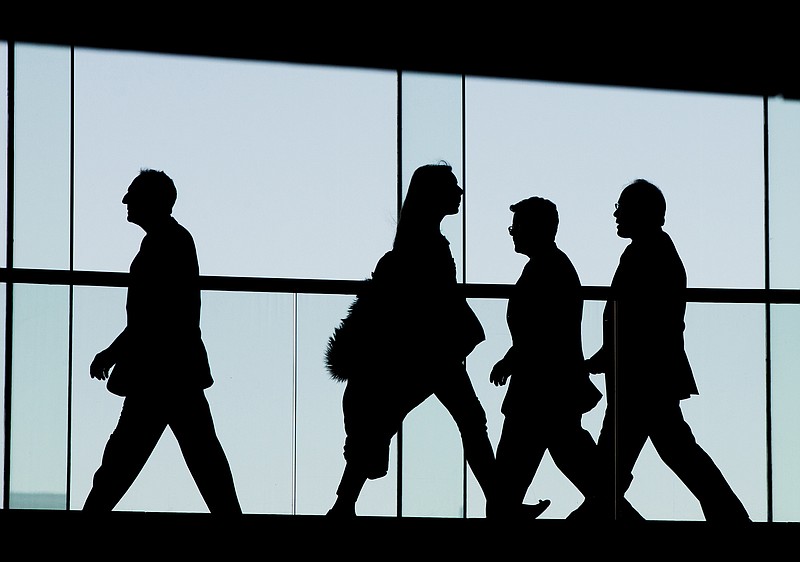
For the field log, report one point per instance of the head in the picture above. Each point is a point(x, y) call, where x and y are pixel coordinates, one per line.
point(150, 197)
point(534, 224)
point(433, 193)
point(640, 210)
point(433, 190)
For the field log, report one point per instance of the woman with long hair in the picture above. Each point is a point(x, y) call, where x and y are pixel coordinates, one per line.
point(427, 329)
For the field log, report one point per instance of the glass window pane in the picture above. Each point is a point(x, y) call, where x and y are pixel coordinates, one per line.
point(431, 121)
point(3, 289)
point(549, 482)
point(265, 156)
point(725, 345)
point(784, 195)
point(785, 323)
point(580, 145)
point(39, 397)
point(251, 346)
point(249, 339)
point(4, 152)
point(433, 463)
point(98, 317)
point(320, 425)
point(42, 156)
point(3, 207)
point(492, 314)
point(432, 458)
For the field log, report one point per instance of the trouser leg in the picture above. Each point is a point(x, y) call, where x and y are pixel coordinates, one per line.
point(194, 430)
point(138, 430)
point(574, 452)
point(621, 440)
point(676, 445)
point(458, 396)
point(373, 410)
point(519, 454)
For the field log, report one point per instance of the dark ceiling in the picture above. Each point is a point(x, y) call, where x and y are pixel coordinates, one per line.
point(744, 56)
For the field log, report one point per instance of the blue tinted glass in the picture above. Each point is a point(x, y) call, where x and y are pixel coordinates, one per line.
point(39, 397)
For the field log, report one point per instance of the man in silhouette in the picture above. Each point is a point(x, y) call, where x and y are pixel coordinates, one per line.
point(159, 360)
point(647, 370)
point(549, 387)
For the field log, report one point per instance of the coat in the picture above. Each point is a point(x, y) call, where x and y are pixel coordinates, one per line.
point(161, 346)
point(646, 326)
point(544, 316)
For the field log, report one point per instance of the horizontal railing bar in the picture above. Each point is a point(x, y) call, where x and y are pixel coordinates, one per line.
point(351, 287)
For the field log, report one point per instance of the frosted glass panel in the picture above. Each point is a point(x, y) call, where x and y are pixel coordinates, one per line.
point(282, 170)
point(249, 338)
point(42, 156)
point(785, 321)
point(39, 397)
point(580, 145)
point(784, 192)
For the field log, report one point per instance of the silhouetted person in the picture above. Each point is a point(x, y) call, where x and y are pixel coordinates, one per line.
point(549, 387)
point(429, 329)
point(159, 360)
point(649, 374)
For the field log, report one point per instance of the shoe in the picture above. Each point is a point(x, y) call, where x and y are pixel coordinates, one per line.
point(626, 512)
point(528, 511)
point(587, 511)
point(522, 511)
point(340, 513)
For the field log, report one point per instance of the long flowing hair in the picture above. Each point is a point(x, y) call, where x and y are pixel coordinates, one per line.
point(420, 201)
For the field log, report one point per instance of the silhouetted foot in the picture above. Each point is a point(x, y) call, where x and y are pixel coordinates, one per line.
point(528, 511)
point(626, 512)
point(593, 509)
point(339, 512)
point(519, 512)
point(587, 511)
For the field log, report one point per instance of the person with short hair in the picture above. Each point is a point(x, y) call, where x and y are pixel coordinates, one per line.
point(647, 370)
point(549, 388)
point(158, 363)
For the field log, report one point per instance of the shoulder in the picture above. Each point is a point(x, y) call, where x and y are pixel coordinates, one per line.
point(563, 267)
point(388, 265)
point(178, 229)
point(177, 235)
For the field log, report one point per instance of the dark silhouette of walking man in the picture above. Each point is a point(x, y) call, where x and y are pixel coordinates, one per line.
point(549, 387)
point(647, 370)
point(159, 360)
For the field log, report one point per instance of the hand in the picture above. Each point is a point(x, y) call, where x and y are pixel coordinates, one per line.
point(500, 373)
point(101, 365)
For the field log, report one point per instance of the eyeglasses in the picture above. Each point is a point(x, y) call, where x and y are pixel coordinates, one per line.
point(511, 230)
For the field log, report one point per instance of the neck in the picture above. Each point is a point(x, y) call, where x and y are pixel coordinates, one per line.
point(153, 223)
point(535, 248)
point(647, 234)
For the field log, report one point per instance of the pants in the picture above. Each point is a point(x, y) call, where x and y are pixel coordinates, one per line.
point(140, 426)
point(522, 445)
point(624, 433)
point(375, 409)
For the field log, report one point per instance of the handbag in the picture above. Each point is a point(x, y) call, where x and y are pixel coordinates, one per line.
point(344, 352)
point(364, 333)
